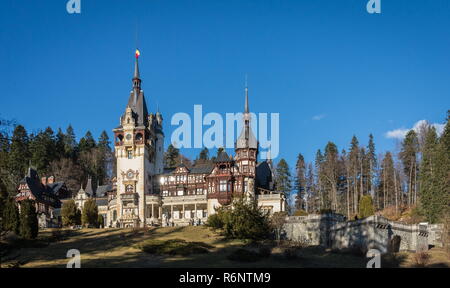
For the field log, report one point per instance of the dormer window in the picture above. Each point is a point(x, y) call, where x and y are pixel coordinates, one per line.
point(129, 154)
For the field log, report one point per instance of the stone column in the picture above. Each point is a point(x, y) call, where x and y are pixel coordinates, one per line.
point(195, 209)
point(183, 212)
point(153, 212)
point(160, 212)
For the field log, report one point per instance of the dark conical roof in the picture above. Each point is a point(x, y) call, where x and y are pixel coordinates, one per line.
point(89, 189)
point(222, 157)
point(137, 100)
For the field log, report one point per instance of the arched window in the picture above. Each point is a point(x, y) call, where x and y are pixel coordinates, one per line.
point(129, 189)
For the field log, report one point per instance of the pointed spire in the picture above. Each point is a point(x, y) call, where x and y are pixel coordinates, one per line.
point(246, 95)
point(136, 69)
point(89, 189)
point(136, 75)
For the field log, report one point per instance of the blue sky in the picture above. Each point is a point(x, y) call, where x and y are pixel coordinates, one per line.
point(328, 67)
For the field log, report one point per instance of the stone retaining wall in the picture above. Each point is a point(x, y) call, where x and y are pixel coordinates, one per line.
point(332, 231)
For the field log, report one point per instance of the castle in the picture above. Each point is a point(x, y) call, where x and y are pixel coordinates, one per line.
point(147, 193)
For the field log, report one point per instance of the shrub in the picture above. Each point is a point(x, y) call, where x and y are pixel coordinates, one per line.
point(29, 225)
point(246, 221)
point(325, 211)
point(100, 221)
point(300, 212)
point(366, 208)
point(89, 215)
point(215, 221)
point(69, 213)
point(277, 221)
point(244, 255)
point(10, 221)
point(421, 259)
point(174, 247)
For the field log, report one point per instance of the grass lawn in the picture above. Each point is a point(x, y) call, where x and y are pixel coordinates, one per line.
point(121, 248)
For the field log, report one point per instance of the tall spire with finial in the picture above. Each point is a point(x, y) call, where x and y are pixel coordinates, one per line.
point(247, 139)
point(246, 95)
point(136, 76)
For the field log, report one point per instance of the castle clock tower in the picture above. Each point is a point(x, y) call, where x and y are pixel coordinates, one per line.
point(138, 142)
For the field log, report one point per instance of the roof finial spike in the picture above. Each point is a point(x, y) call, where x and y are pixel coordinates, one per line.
point(136, 65)
point(246, 95)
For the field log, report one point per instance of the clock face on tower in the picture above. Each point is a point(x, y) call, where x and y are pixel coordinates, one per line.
point(128, 136)
point(130, 174)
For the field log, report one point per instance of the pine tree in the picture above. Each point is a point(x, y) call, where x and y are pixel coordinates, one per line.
point(89, 215)
point(171, 155)
point(318, 163)
point(69, 213)
point(427, 176)
point(4, 168)
point(59, 144)
point(300, 182)
point(388, 183)
point(372, 164)
point(354, 158)
point(18, 155)
point(70, 143)
point(311, 197)
point(330, 176)
point(104, 157)
point(204, 154)
point(42, 149)
point(408, 156)
point(442, 178)
point(10, 216)
point(283, 178)
point(86, 143)
point(29, 226)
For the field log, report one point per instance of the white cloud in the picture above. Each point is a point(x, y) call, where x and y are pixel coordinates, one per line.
point(401, 132)
point(318, 117)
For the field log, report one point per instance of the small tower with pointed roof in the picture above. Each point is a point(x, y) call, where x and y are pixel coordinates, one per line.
point(246, 151)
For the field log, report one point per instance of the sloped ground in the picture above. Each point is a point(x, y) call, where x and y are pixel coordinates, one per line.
point(120, 248)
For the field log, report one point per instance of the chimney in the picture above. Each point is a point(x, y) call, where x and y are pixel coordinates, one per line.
point(51, 180)
point(44, 180)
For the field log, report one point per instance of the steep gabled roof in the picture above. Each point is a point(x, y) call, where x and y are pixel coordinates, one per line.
point(222, 157)
point(205, 168)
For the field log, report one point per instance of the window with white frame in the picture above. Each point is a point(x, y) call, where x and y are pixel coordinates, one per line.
point(223, 185)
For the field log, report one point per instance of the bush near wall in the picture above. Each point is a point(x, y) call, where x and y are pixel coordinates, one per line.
point(366, 208)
